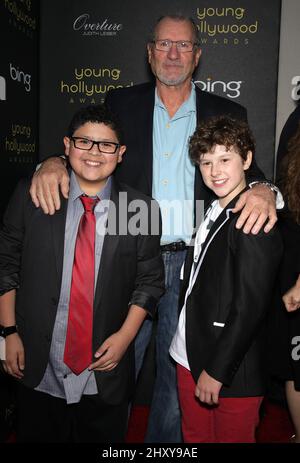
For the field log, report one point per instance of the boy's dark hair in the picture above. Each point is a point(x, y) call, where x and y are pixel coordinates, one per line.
point(98, 114)
point(221, 130)
point(289, 176)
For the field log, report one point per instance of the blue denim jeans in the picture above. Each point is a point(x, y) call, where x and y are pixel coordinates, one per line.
point(164, 419)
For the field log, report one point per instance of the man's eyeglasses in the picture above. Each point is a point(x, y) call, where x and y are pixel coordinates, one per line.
point(183, 46)
point(108, 147)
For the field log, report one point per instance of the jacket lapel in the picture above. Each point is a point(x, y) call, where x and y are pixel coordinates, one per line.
point(225, 215)
point(58, 222)
point(218, 224)
point(216, 227)
point(110, 242)
point(190, 253)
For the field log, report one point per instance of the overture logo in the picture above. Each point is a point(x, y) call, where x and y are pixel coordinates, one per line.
point(100, 28)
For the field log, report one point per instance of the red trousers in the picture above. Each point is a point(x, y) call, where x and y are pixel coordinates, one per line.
point(232, 420)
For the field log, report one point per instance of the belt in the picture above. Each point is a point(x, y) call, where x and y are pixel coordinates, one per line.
point(174, 247)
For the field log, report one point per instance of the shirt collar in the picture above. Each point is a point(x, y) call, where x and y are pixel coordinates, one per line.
point(75, 190)
point(189, 106)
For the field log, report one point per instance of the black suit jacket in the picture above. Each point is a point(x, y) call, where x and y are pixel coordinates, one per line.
point(135, 106)
point(31, 257)
point(233, 287)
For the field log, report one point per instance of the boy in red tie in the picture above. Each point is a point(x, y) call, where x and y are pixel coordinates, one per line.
point(75, 290)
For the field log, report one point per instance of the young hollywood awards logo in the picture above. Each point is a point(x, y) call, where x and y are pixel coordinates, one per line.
point(231, 89)
point(2, 89)
point(104, 27)
point(89, 85)
point(20, 143)
point(22, 15)
point(225, 25)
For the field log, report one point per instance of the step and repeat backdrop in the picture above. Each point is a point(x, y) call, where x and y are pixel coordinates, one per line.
point(87, 48)
point(90, 47)
point(19, 75)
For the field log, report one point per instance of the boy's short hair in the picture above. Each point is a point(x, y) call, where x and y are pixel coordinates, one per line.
point(98, 114)
point(221, 130)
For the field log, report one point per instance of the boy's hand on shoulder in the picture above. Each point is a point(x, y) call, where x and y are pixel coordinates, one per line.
point(207, 389)
point(15, 358)
point(110, 352)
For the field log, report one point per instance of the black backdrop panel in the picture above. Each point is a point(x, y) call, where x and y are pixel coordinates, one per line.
point(89, 47)
point(18, 92)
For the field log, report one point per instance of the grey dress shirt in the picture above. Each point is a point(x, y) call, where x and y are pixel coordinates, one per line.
point(59, 380)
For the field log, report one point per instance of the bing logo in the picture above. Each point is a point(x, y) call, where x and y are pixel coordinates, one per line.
point(20, 76)
point(231, 89)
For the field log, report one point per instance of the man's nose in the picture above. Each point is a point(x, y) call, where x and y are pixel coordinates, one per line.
point(173, 53)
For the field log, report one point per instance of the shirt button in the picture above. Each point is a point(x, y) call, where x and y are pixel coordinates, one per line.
point(65, 376)
point(165, 182)
point(168, 125)
point(167, 155)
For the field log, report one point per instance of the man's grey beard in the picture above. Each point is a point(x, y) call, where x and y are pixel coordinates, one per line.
point(171, 82)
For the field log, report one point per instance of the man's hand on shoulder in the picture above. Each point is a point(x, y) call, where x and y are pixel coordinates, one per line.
point(258, 205)
point(46, 182)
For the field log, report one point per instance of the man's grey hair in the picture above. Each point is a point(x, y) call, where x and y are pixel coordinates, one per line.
point(176, 17)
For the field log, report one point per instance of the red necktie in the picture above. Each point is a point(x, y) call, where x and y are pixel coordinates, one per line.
point(78, 346)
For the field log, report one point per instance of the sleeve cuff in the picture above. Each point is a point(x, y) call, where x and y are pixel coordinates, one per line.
point(279, 198)
point(145, 301)
point(8, 283)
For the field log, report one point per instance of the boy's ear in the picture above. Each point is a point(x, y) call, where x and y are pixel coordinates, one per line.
point(122, 150)
point(248, 161)
point(67, 143)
